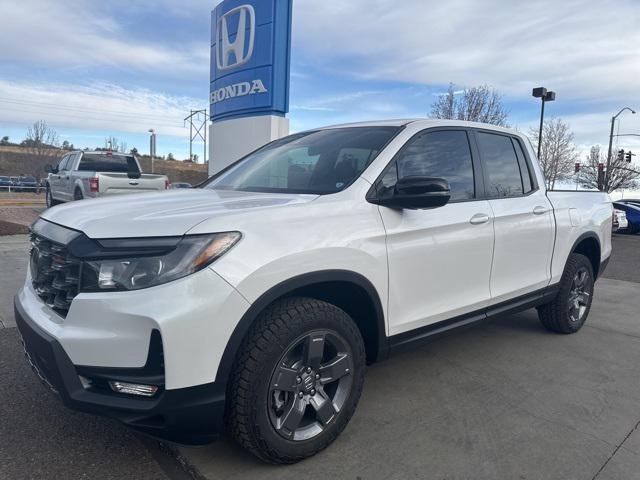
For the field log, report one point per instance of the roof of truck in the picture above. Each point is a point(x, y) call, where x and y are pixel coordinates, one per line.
point(423, 122)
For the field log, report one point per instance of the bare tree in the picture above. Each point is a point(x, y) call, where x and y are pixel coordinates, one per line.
point(112, 143)
point(476, 104)
point(621, 174)
point(42, 142)
point(558, 154)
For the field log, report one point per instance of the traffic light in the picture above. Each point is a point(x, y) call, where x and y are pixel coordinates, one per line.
point(620, 155)
point(628, 156)
point(577, 167)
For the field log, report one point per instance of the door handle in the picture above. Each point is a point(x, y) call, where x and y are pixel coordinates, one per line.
point(540, 210)
point(479, 219)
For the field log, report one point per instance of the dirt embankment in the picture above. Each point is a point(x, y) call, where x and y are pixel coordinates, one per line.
point(20, 161)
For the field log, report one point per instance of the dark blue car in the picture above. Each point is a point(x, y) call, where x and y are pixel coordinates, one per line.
point(5, 183)
point(27, 184)
point(632, 209)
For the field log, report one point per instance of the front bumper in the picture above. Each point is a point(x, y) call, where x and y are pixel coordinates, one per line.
point(192, 416)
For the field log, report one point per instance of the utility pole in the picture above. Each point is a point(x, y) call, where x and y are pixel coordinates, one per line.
point(198, 121)
point(613, 122)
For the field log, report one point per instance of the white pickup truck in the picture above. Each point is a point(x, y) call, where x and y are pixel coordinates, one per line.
point(91, 174)
point(254, 302)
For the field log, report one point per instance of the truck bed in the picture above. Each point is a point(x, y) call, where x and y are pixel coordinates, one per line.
point(576, 214)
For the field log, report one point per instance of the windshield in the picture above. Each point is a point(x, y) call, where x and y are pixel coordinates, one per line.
point(28, 179)
point(317, 162)
point(92, 162)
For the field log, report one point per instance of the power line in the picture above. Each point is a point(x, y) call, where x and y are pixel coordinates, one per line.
point(83, 109)
point(139, 121)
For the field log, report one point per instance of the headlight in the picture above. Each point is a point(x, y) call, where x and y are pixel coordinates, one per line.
point(192, 253)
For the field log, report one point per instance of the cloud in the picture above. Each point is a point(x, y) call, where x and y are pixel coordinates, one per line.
point(580, 49)
point(100, 106)
point(77, 34)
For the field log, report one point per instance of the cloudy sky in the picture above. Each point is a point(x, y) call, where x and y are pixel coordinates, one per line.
point(93, 69)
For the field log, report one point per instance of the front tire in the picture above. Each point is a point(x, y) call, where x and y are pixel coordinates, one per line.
point(568, 311)
point(51, 202)
point(297, 380)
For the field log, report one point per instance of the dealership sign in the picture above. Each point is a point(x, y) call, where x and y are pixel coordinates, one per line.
point(250, 50)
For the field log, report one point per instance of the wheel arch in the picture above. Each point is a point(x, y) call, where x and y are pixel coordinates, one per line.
point(348, 290)
point(77, 185)
point(588, 244)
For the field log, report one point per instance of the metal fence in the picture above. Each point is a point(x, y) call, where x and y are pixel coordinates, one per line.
point(21, 189)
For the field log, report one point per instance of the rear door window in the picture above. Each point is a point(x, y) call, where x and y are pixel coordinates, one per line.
point(501, 167)
point(527, 175)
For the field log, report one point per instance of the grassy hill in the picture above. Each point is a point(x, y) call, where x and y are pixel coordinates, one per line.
point(15, 160)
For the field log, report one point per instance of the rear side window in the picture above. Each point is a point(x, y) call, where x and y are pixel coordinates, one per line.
point(108, 163)
point(527, 175)
point(501, 167)
point(444, 154)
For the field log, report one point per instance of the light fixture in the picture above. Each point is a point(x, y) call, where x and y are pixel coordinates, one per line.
point(133, 388)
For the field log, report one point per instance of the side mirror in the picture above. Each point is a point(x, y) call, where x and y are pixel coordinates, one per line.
point(51, 169)
point(417, 192)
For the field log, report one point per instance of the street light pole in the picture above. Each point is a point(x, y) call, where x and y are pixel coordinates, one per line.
point(613, 123)
point(545, 96)
point(152, 147)
point(541, 125)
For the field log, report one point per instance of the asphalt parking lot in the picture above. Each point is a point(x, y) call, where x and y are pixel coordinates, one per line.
point(505, 399)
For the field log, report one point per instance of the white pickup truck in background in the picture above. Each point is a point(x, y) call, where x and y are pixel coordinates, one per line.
point(91, 174)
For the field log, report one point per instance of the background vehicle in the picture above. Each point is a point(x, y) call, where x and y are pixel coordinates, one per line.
point(5, 183)
point(256, 301)
point(181, 185)
point(619, 220)
point(632, 213)
point(27, 184)
point(89, 174)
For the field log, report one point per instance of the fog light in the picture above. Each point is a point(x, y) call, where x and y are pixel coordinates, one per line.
point(134, 388)
point(86, 383)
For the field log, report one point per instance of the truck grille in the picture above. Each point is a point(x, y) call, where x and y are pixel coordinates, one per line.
point(54, 273)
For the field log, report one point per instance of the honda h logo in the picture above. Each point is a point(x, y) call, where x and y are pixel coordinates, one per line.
point(233, 53)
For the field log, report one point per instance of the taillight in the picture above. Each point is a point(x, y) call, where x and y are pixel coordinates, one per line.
point(94, 184)
point(167, 185)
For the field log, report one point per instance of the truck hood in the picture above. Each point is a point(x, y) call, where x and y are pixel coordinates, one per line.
point(170, 213)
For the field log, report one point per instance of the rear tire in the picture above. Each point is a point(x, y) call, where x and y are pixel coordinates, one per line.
point(568, 311)
point(77, 194)
point(297, 380)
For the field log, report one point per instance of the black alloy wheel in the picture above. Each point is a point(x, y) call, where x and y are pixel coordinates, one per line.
point(310, 385)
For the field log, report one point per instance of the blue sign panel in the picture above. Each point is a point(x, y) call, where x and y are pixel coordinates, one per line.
point(250, 52)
